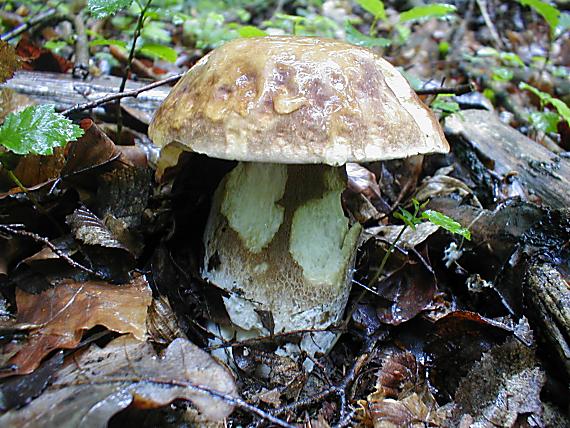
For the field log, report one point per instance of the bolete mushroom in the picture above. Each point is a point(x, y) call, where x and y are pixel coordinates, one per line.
point(292, 111)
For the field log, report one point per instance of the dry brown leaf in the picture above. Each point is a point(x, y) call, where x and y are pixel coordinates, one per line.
point(96, 383)
point(10, 61)
point(87, 227)
point(65, 311)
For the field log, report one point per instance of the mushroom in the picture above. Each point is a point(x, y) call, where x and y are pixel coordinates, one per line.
point(292, 111)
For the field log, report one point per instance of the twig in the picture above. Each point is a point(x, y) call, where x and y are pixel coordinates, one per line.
point(338, 390)
point(81, 66)
point(33, 21)
point(234, 401)
point(489, 23)
point(16, 230)
point(114, 97)
point(272, 337)
point(457, 90)
point(136, 35)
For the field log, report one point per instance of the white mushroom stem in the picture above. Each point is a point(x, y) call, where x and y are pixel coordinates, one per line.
point(278, 240)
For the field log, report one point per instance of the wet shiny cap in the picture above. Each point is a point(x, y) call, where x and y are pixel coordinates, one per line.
point(287, 99)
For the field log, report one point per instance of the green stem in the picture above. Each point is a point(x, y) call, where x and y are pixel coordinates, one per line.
point(136, 35)
point(24, 189)
point(372, 31)
point(386, 257)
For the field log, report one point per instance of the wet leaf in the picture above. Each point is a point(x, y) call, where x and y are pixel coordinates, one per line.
point(99, 382)
point(20, 390)
point(62, 313)
point(103, 8)
point(37, 130)
point(459, 339)
point(10, 61)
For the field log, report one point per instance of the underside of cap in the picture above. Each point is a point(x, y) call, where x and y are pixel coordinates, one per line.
point(287, 99)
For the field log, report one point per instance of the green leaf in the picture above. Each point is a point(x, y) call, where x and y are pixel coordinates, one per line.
point(154, 50)
point(502, 74)
point(510, 58)
point(37, 130)
point(428, 11)
point(545, 98)
point(357, 38)
point(374, 7)
point(409, 219)
point(251, 31)
point(545, 121)
point(447, 223)
point(443, 104)
point(550, 14)
point(103, 8)
point(108, 42)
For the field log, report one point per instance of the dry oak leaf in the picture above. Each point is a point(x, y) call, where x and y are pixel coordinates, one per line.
point(10, 61)
point(62, 313)
point(96, 383)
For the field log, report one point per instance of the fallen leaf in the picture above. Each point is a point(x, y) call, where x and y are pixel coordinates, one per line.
point(89, 229)
point(10, 61)
point(458, 340)
point(96, 383)
point(20, 390)
point(40, 59)
point(93, 149)
point(503, 389)
point(62, 313)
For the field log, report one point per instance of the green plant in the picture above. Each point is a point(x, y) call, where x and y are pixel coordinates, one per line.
point(411, 220)
point(547, 121)
point(550, 13)
point(377, 10)
point(444, 105)
point(36, 130)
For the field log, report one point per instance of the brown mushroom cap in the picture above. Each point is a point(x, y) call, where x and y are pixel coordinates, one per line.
point(289, 99)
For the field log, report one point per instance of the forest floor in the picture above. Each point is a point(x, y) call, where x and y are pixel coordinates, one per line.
point(459, 313)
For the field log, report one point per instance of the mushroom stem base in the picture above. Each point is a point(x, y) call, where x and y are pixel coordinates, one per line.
point(278, 241)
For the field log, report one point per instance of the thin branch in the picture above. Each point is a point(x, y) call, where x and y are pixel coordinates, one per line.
point(33, 21)
point(114, 97)
point(339, 390)
point(489, 23)
point(136, 35)
point(16, 230)
point(81, 66)
point(457, 90)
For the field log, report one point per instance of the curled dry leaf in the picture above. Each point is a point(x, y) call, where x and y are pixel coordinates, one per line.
point(93, 149)
point(96, 383)
point(62, 313)
point(87, 227)
point(402, 397)
point(410, 237)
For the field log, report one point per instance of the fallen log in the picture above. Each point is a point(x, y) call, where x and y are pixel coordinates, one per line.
point(493, 151)
point(523, 246)
point(65, 92)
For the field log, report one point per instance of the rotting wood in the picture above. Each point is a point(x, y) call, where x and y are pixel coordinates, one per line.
point(544, 175)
